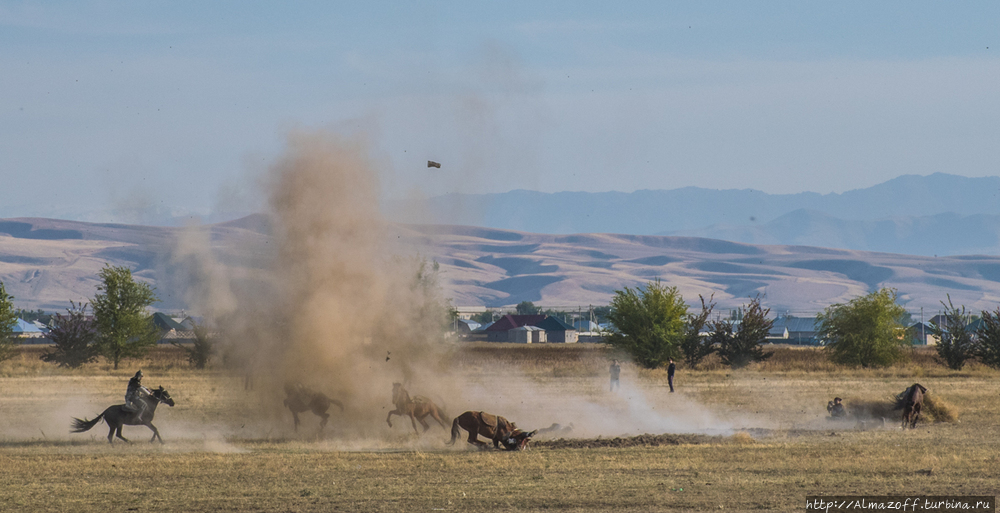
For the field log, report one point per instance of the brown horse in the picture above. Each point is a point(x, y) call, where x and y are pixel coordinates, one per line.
point(300, 399)
point(912, 400)
point(117, 416)
point(493, 427)
point(416, 408)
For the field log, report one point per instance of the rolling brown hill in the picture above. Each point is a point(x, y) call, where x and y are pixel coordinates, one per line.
point(46, 263)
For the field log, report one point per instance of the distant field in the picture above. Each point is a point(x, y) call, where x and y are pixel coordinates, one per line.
point(746, 440)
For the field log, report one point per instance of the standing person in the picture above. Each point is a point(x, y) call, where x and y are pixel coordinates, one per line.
point(836, 408)
point(670, 375)
point(616, 370)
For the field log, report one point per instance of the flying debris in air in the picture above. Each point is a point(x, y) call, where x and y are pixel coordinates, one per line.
point(431, 163)
point(387, 353)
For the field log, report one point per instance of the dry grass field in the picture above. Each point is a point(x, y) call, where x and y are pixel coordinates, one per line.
point(754, 439)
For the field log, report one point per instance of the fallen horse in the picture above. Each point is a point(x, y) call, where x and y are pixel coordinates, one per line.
point(495, 428)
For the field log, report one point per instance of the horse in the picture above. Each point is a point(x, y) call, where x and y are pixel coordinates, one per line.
point(117, 416)
point(300, 399)
point(494, 427)
point(912, 400)
point(416, 408)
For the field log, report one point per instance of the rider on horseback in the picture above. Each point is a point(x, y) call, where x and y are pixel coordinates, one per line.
point(135, 394)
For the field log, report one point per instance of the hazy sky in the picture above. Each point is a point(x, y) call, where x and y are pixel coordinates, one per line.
point(153, 107)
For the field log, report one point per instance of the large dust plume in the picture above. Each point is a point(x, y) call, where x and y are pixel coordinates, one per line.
point(334, 304)
point(334, 308)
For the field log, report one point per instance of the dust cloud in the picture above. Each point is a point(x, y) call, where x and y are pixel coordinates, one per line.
point(324, 297)
point(335, 305)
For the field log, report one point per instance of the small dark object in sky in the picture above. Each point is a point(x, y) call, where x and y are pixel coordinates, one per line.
point(387, 353)
point(431, 163)
point(753, 218)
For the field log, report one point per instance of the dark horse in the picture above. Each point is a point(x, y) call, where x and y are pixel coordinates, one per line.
point(416, 408)
point(911, 400)
point(494, 427)
point(300, 399)
point(117, 416)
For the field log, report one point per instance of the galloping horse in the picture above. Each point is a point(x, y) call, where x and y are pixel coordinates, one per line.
point(300, 399)
point(912, 400)
point(117, 416)
point(416, 408)
point(493, 427)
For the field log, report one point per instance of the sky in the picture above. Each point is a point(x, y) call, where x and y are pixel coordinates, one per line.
point(143, 111)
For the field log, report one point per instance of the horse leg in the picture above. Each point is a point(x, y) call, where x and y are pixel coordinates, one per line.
point(413, 419)
point(325, 417)
point(111, 433)
point(118, 433)
point(437, 417)
point(156, 433)
point(295, 417)
point(389, 416)
point(474, 439)
point(424, 423)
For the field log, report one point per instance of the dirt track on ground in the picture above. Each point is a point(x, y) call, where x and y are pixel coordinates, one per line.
point(629, 441)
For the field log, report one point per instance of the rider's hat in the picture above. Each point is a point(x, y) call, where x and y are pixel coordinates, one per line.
point(138, 374)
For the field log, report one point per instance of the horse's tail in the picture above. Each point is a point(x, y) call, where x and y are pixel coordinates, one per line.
point(454, 431)
point(79, 426)
point(338, 403)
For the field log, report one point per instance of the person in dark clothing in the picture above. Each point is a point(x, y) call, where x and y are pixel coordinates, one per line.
point(670, 375)
point(836, 408)
point(616, 370)
point(135, 394)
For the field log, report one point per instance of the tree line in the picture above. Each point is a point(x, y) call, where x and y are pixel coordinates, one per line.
point(118, 328)
point(653, 324)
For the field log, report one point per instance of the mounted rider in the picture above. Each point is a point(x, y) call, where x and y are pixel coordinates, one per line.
point(135, 394)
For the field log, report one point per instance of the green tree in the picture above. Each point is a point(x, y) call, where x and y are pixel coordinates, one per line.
point(527, 308)
point(693, 345)
point(74, 337)
point(988, 337)
point(955, 343)
point(648, 323)
point(483, 318)
point(124, 328)
point(8, 344)
point(865, 331)
point(740, 347)
point(201, 350)
point(33, 315)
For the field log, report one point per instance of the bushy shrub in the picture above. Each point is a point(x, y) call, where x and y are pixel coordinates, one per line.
point(73, 336)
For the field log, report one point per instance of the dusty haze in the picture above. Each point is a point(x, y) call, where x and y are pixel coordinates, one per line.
point(340, 309)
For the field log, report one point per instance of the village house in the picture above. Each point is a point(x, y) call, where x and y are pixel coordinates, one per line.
point(531, 329)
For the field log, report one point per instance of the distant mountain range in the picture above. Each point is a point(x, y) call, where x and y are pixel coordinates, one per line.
point(45, 263)
point(939, 214)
